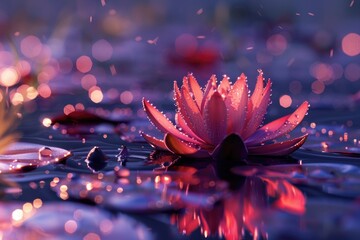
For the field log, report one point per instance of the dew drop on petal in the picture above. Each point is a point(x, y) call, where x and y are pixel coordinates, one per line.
point(45, 152)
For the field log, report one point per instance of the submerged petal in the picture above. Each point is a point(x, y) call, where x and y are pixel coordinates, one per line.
point(236, 102)
point(279, 127)
point(215, 116)
point(279, 148)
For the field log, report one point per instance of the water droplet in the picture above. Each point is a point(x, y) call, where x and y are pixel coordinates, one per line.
point(45, 152)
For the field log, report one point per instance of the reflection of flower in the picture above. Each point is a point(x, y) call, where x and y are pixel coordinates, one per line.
point(8, 121)
point(205, 117)
point(244, 211)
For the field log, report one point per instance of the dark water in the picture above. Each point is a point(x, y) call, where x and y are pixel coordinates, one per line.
point(114, 185)
point(140, 194)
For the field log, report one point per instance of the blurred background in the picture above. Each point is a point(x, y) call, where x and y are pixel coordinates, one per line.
point(107, 51)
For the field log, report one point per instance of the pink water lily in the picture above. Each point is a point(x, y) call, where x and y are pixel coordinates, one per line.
point(205, 117)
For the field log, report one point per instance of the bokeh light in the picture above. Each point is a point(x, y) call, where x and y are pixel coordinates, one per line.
point(186, 45)
point(8, 77)
point(95, 94)
point(317, 87)
point(84, 64)
point(126, 97)
point(88, 81)
point(276, 44)
point(44, 90)
point(102, 50)
point(285, 101)
point(351, 44)
point(31, 46)
point(352, 72)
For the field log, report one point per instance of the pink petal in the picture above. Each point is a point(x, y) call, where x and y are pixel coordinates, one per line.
point(163, 123)
point(256, 95)
point(209, 90)
point(224, 86)
point(183, 118)
point(215, 116)
point(192, 115)
point(179, 147)
point(259, 87)
point(179, 119)
point(279, 127)
point(185, 83)
point(154, 142)
point(177, 95)
point(279, 148)
point(259, 109)
point(195, 89)
point(237, 101)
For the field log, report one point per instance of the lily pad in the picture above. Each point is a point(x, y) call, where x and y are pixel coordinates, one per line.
point(22, 156)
